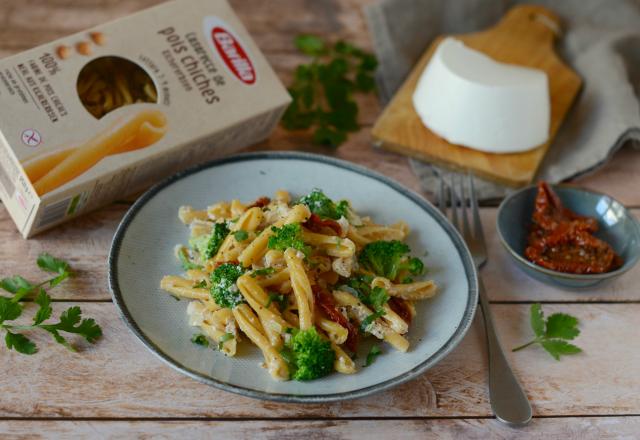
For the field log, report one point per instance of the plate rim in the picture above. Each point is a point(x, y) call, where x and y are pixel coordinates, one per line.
point(425, 205)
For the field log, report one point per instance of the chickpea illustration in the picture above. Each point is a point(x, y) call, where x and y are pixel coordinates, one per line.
point(84, 48)
point(63, 52)
point(98, 38)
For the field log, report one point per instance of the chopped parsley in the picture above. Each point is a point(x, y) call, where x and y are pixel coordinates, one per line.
point(200, 339)
point(280, 299)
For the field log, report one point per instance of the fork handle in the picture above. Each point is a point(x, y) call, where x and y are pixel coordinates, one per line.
point(508, 400)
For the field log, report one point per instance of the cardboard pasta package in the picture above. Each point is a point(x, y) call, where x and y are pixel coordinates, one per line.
point(105, 113)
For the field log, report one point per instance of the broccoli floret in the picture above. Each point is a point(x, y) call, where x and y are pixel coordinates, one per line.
point(309, 355)
point(387, 259)
point(208, 245)
point(288, 236)
point(323, 206)
point(224, 290)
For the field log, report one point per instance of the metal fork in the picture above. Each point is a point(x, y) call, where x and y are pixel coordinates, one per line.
point(508, 400)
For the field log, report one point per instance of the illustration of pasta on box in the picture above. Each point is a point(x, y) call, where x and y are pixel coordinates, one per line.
point(102, 114)
point(105, 86)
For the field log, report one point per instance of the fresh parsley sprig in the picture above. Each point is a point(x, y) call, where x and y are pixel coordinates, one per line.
point(20, 287)
point(322, 90)
point(70, 321)
point(553, 333)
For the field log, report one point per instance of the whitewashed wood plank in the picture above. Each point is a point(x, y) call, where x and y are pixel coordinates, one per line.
point(581, 428)
point(119, 378)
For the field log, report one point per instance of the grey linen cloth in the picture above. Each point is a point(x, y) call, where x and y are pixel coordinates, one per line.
point(600, 40)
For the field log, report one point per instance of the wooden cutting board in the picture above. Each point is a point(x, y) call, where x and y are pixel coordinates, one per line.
point(525, 36)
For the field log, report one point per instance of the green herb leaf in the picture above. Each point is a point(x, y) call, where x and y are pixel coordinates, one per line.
point(563, 326)
point(45, 310)
point(558, 347)
point(241, 235)
point(323, 90)
point(309, 44)
point(19, 343)
point(52, 264)
point(16, 283)
point(372, 355)
point(70, 322)
point(537, 320)
point(553, 333)
point(370, 319)
point(9, 310)
point(200, 339)
point(280, 299)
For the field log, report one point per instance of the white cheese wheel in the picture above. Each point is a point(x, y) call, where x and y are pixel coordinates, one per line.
point(469, 99)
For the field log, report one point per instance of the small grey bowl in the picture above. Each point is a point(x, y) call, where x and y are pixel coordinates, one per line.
point(618, 227)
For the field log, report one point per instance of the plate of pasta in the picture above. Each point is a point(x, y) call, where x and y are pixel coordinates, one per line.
point(292, 277)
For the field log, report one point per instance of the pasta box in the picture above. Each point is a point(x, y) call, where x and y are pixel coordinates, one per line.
point(105, 113)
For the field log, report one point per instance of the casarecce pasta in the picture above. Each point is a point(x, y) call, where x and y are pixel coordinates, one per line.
point(302, 279)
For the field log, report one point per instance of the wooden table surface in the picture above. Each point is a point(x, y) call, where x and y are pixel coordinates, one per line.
point(117, 388)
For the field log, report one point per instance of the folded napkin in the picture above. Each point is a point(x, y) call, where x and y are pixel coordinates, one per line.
point(600, 40)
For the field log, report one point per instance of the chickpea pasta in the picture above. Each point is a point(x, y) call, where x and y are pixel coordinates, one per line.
point(302, 279)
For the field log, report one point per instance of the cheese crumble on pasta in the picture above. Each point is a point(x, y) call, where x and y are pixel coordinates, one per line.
point(303, 280)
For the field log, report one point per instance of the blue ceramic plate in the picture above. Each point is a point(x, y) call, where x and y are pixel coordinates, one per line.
point(617, 227)
point(142, 252)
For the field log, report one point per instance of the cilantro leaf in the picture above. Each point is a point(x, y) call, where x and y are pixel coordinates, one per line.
point(45, 310)
point(558, 347)
point(372, 355)
point(563, 326)
point(19, 343)
point(537, 320)
point(553, 333)
point(15, 283)
point(70, 322)
point(9, 310)
point(50, 263)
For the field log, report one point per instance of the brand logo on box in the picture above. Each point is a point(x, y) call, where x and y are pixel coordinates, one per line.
point(230, 50)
